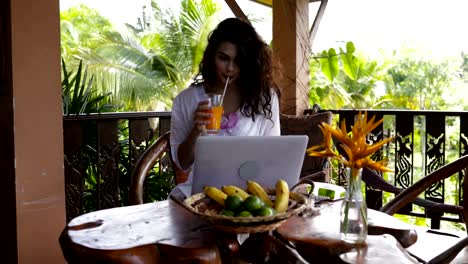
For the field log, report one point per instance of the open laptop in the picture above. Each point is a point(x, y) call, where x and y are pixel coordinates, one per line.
point(235, 159)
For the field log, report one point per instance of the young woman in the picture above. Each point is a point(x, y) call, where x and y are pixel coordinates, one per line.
point(251, 106)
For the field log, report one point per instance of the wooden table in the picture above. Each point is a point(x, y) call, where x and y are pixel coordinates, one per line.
point(318, 238)
point(165, 232)
point(161, 232)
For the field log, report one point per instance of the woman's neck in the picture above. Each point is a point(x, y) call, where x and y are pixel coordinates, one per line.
point(232, 99)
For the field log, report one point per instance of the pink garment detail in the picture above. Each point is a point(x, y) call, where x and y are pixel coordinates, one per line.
point(230, 120)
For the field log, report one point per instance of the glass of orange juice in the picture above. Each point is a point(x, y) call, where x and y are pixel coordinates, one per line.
point(216, 108)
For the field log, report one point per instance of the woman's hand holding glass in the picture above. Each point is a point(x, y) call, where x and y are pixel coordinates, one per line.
point(202, 116)
point(207, 117)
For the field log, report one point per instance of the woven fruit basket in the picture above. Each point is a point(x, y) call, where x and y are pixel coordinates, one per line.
point(209, 210)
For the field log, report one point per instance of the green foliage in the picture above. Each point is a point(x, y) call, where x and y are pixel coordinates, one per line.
point(464, 66)
point(351, 63)
point(345, 79)
point(143, 67)
point(329, 64)
point(183, 37)
point(159, 183)
point(418, 84)
point(90, 189)
point(82, 26)
point(349, 80)
point(78, 97)
point(160, 180)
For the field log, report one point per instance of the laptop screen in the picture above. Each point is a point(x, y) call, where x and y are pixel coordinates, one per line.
point(235, 159)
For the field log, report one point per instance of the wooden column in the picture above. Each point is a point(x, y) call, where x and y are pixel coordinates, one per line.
point(291, 46)
point(7, 154)
point(34, 135)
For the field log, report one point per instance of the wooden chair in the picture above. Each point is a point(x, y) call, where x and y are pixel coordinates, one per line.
point(376, 182)
point(410, 194)
point(158, 150)
point(314, 168)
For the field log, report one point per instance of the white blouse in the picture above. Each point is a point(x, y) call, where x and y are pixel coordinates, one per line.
point(185, 104)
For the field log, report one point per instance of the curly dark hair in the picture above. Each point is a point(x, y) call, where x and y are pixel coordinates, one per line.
point(259, 71)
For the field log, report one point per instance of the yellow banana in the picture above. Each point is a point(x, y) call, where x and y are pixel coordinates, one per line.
point(282, 196)
point(215, 194)
point(234, 190)
point(256, 189)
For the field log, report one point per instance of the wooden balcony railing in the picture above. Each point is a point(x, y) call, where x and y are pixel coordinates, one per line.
point(100, 153)
point(425, 141)
point(113, 142)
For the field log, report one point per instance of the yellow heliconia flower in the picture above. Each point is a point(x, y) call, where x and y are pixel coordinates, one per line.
point(354, 144)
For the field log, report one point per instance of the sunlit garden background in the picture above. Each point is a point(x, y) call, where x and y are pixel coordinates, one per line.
point(141, 61)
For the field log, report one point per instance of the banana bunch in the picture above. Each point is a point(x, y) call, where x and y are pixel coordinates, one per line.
point(280, 204)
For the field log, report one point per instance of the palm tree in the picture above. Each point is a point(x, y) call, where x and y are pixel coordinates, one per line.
point(141, 68)
point(82, 26)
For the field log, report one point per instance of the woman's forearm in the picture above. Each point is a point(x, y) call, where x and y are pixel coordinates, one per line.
point(185, 152)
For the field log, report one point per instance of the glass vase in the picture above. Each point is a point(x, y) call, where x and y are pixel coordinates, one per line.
point(353, 214)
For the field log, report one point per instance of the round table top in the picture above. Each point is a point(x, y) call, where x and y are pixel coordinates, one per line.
point(178, 233)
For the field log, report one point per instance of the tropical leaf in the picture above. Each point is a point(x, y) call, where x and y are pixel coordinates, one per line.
point(357, 83)
point(350, 62)
point(142, 67)
point(78, 97)
point(329, 64)
point(197, 21)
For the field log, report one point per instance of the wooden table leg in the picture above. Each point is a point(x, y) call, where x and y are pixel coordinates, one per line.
point(266, 248)
point(74, 253)
point(225, 249)
point(206, 255)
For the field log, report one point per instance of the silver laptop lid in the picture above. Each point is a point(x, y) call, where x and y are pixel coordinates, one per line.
point(235, 159)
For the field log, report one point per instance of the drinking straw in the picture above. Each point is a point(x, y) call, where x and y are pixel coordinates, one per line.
point(224, 92)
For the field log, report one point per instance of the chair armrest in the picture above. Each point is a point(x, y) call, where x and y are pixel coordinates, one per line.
point(146, 162)
point(319, 176)
point(377, 182)
point(409, 195)
point(449, 254)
